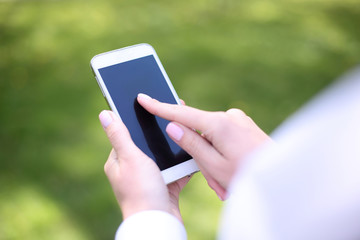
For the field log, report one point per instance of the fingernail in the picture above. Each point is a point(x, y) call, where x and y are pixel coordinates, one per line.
point(221, 198)
point(142, 96)
point(105, 118)
point(174, 131)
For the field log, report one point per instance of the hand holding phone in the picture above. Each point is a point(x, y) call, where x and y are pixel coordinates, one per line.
point(123, 74)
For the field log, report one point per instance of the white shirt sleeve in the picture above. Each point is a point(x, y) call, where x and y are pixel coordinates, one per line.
point(307, 186)
point(157, 225)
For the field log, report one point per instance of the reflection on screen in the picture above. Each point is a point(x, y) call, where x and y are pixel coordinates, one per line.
point(124, 81)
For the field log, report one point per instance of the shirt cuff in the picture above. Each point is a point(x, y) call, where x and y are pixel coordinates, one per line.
point(152, 224)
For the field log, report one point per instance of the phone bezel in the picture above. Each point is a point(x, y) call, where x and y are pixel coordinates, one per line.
point(127, 54)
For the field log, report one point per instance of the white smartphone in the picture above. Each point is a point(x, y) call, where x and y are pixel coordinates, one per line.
point(124, 73)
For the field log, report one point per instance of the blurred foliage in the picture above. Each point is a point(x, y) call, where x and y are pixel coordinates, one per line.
point(265, 57)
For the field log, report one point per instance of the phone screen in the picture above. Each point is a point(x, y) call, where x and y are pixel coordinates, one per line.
point(124, 81)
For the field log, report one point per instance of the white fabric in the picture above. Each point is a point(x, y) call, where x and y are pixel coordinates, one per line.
point(306, 186)
point(157, 225)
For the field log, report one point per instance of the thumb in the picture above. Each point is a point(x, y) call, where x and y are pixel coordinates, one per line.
point(117, 132)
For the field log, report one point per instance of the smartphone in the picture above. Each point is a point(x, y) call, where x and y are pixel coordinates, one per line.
point(124, 73)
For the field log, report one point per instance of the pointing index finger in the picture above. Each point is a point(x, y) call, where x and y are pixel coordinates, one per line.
point(187, 116)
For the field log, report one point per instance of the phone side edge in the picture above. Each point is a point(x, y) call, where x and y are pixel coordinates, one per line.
point(179, 171)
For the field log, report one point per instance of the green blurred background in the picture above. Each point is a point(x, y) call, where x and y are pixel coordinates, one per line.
point(265, 57)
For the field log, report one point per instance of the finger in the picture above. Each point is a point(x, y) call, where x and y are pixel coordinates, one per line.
point(182, 102)
point(188, 116)
point(214, 185)
point(176, 187)
point(198, 147)
point(189, 140)
point(117, 133)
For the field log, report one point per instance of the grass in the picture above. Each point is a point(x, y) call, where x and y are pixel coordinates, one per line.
point(265, 57)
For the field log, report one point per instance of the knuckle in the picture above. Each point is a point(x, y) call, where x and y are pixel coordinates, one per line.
point(221, 119)
point(110, 161)
point(236, 111)
point(237, 117)
point(113, 133)
point(106, 167)
point(173, 116)
point(223, 124)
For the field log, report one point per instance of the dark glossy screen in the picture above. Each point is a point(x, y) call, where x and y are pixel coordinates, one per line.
point(124, 81)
